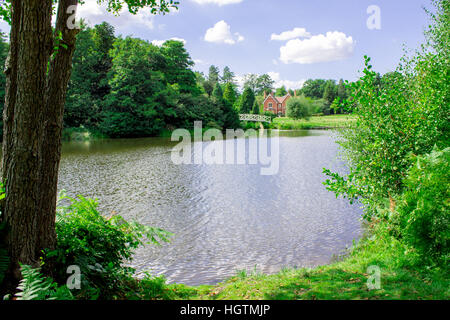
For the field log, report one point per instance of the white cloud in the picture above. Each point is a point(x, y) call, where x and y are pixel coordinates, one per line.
point(221, 33)
point(289, 84)
point(279, 82)
point(218, 2)
point(159, 43)
point(332, 46)
point(292, 34)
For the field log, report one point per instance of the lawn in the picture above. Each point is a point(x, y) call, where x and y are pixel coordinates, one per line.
point(315, 122)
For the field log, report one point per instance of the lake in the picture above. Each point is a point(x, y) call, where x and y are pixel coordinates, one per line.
point(224, 218)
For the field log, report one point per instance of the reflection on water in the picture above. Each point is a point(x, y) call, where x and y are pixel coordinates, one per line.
point(224, 217)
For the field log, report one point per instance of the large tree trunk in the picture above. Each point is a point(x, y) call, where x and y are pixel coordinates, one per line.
point(21, 175)
point(58, 79)
point(11, 85)
point(33, 122)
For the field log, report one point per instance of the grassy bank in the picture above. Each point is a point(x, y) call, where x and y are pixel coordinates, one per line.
point(315, 122)
point(345, 279)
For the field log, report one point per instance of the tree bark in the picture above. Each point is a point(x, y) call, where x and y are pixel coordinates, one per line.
point(57, 82)
point(30, 52)
point(11, 85)
point(33, 116)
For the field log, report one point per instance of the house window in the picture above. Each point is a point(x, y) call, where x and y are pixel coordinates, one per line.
point(270, 106)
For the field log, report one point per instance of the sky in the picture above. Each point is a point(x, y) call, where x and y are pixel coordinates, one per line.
point(291, 40)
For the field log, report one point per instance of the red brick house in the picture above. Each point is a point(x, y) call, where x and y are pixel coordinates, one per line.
point(276, 105)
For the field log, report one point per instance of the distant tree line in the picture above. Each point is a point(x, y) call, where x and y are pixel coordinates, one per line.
point(128, 87)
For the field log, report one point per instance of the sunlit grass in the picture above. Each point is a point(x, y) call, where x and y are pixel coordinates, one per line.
point(315, 122)
point(343, 280)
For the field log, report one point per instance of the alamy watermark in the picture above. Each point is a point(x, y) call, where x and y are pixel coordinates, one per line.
point(227, 149)
point(374, 20)
point(74, 280)
point(374, 280)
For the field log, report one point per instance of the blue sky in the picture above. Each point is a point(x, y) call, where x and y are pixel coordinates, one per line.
point(328, 38)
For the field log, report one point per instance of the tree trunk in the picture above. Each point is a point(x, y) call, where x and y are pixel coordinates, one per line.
point(31, 45)
point(11, 86)
point(58, 79)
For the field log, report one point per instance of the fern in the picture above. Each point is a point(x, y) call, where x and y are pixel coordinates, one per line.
point(34, 286)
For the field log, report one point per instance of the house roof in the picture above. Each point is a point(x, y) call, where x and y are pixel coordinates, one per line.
point(282, 99)
point(278, 99)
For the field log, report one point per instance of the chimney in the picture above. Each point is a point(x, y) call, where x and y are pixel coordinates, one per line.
point(265, 95)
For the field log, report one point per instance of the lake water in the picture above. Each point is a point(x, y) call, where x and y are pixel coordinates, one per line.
point(224, 218)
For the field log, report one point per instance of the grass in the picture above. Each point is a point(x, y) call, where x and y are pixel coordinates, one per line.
point(345, 279)
point(315, 122)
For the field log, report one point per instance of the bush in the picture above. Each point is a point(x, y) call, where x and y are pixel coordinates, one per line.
point(320, 107)
point(299, 108)
point(424, 208)
point(98, 245)
point(404, 113)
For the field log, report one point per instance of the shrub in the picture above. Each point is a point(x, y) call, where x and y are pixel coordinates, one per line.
point(98, 245)
point(407, 112)
point(424, 207)
point(299, 108)
point(270, 114)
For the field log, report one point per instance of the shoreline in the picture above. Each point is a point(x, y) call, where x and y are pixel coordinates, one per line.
point(349, 278)
point(329, 122)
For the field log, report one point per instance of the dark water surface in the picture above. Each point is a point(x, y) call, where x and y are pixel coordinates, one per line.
point(225, 217)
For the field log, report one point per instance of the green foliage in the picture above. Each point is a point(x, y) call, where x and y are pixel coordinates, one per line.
point(230, 94)
point(402, 116)
point(320, 106)
point(314, 88)
point(217, 93)
point(341, 90)
point(175, 66)
point(34, 286)
point(88, 84)
point(424, 207)
point(214, 75)
point(127, 87)
point(270, 114)
point(138, 102)
point(190, 108)
point(259, 84)
point(255, 109)
point(247, 100)
point(155, 6)
point(98, 245)
point(228, 76)
point(330, 92)
point(299, 108)
point(281, 92)
point(393, 121)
